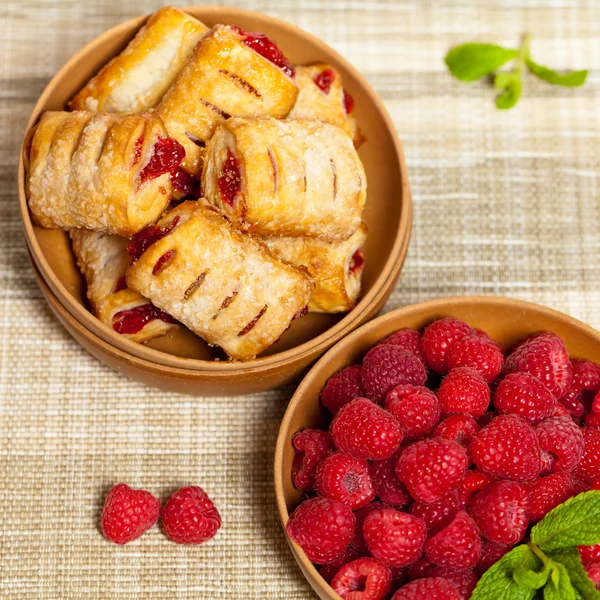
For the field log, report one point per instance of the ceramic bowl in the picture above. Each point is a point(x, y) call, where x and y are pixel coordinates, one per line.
point(388, 214)
point(507, 321)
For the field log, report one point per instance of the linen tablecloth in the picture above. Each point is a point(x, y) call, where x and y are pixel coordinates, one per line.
point(506, 203)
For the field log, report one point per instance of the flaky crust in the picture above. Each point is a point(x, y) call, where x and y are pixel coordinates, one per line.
point(103, 260)
point(337, 287)
point(82, 172)
point(226, 287)
point(135, 80)
point(316, 104)
point(298, 178)
point(224, 77)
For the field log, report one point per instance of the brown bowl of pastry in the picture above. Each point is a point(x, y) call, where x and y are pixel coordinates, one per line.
point(219, 240)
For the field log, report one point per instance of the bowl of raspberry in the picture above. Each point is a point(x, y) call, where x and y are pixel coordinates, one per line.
point(425, 445)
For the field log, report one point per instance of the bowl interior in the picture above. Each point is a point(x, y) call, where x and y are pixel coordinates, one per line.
point(506, 321)
point(387, 211)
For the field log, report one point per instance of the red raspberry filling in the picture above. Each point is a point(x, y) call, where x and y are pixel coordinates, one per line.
point(168, 154)
point(148, 236)
point(324, 80)
point(348, 102)
point(133, 320)
point(121, 285)
point(229, 181)
point(357, 262)
point(267, 48)
point(185, 184)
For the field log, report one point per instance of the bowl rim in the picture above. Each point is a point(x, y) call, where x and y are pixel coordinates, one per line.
point(301, 391)
point(304, 351)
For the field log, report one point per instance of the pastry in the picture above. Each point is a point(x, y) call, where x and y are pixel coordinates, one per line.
point(230, 73)
point(136, 79)
point(286, 178)
point(225, 286)
point(322, 97)
point(335, 268)
point(99, 171)
point(103, 260)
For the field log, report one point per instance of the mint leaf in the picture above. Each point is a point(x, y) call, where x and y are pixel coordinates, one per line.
point(569, 79)
point(584, 586)
point(511, 84)
point(574, 523)
point(559, 586)
point(497, 583)
point(469, 62)
point(533, 572)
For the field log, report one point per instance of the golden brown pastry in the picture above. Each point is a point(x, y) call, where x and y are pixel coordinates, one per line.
point(99, 171)
point(103, 260)
point(336, 268)
point(225, 286)
point(322, 98)
point(135, 80)
point(286, 178)
point(227, 75)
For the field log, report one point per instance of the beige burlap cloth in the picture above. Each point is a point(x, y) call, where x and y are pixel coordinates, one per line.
point(506, 203)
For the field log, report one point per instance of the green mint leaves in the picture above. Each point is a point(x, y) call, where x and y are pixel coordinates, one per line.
point(574, 523)
point(469, 62)
point(549, 566)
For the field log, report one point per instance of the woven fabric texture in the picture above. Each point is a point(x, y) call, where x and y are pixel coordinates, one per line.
point(506, 203)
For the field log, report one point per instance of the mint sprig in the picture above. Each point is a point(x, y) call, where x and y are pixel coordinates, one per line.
point(549, 566)
point(472, 61)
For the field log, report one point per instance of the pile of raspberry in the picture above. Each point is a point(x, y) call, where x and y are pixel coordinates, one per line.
point(441, 452)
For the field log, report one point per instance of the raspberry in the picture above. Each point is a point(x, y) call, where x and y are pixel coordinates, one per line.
point(458, 428)
point(586, 375)
point(394, 537)
point(128, 513)
point(429, 588)
point(311, 446)
point(364, 430)
point(358, 541)
point(593, 572)
point(345, 479)
point(594, 484)
point(416, 408)
point(438, 338)
point(190, 517)
point(438, 515)
point(508, 448)
point(589, 554)
point(561, 444)
point(475, 480)
point(342, 388)
point(548, 492)
point(491, 553)
point(589, 465)
point(330, 570)
point(560, 411)
point(464, 390)
point(399, 576)
point(408, 339)
point(524, 395)
point(385, 367)
point(545, 357)
point(592, 419)
point(572, 403)
point(465, 580)
point(500, 511)
point(430, 468)
point(420, 569)
point(388, 487)
point(479, 353)
point(363, 579)
point(456, 546)
point(323, 528)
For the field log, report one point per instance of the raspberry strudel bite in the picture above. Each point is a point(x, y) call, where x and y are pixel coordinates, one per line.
point(335, 267)
point(322, 97)
point(230, 73)
point(286, 178)
point(135, 80)
point(100, 171)
point(103, 260)
point(225, 286)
